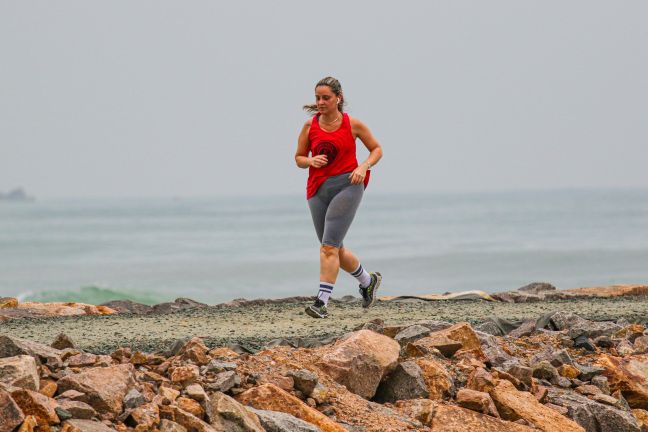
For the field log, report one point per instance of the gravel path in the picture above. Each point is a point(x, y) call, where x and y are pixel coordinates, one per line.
point(253, 326)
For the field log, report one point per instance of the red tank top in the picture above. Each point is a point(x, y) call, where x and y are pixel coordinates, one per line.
point(340, 148)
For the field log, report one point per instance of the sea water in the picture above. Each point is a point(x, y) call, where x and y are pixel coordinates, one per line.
point(218, 249)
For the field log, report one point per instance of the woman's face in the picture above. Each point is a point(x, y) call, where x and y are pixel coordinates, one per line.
point(326, 100)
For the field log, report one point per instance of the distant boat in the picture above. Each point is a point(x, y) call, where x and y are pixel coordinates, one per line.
point(17, 194)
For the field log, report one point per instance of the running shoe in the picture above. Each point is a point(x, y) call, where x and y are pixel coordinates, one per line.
point(369, 293)
point(317, 309)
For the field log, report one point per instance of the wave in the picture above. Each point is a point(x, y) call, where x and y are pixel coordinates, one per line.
point(93, 295)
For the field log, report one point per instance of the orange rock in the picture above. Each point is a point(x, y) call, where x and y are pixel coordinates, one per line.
point(448, 418)
point(8, 302)
point(641, 416)
point(462, 333)
point(223, 353)
point(481, 380)
point(48, 387)
point(147, 415)
point(29, 425)
point(568, 371)
point(476, 401)
point(169, 394)
point(436, 377)
point(360, 361)
point(65, 309)
point(38, 405)
point(185, 373)
point(189, 421)
point(271, 397)
point(191, 406)
point(610, 291)
point(514, 405)
point(630, 375)
point(138, 358)
point(429, 344)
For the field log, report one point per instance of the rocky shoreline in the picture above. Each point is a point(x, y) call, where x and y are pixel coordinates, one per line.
point(528, 360)
point(555, 372)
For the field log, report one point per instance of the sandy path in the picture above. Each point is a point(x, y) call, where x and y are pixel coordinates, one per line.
point(254, 326)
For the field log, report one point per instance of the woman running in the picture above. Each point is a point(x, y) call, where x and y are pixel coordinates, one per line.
point(335, 186)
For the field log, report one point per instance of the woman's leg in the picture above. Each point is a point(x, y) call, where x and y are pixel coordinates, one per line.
point(329, 263)
point(348, 261)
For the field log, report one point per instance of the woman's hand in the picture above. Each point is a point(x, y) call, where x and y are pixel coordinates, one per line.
point(318, 161)
point(358, 175)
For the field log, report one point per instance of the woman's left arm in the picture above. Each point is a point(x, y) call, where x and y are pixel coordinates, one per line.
point(360, 130)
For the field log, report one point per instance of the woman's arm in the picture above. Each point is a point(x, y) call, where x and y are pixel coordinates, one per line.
point(360, 130)
point(303, 145)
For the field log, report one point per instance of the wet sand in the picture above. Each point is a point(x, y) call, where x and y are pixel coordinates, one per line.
point(255, 325)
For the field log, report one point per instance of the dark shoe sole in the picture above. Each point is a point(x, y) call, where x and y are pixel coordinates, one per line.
point(313, 313)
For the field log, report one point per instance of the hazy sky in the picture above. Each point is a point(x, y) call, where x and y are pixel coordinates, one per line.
point(184, 98)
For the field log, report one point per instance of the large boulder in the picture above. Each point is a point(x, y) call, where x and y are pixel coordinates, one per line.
point(104, 388)
point(591, 415)
point(271, 397)
point(226, 413)
point(20, 371)
point(514, 405)
point(629, 375)
point(465, 335)
point(13, 346)
point(275, 421)
point(405, 382)
point(11, 416)
point(360, 361)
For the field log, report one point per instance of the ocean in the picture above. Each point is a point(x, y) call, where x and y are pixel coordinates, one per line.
point(218, 249)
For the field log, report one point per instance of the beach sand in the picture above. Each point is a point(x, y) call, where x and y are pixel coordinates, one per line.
point(254, 326)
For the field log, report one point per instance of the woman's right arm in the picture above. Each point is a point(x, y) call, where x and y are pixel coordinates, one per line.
point(301, 156)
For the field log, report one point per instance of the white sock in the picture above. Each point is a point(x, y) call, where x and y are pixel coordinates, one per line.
point(325, 291)
point(363, 277)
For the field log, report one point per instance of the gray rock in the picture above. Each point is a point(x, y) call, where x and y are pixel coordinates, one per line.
point(275, 421)
point(588, 372)
point(527, 328)
point(62, 413)
point(133, 399)
point(78, 409)
point(582, 341)
point(495, 355)
point(405, 382)
point(176, 346)
point(553, 356)
point(305, 380)
point(13, 346)
point(604, 342)
point(577, 326)
point(411, 333)
point(489, 327)
point(128, 306)
point(537, 287)
point(601, 382)
point(545, 370)
point(523, 373)
point(219, 366)
point(591, 415)
point(434, 325)
point(224, 382)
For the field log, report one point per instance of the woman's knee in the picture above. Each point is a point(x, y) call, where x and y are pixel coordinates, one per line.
point(329, 251)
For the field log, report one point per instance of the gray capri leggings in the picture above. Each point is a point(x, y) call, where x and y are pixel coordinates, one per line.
point(333, 208)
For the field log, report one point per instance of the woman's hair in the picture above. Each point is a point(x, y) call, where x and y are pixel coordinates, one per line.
point(335, 87)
